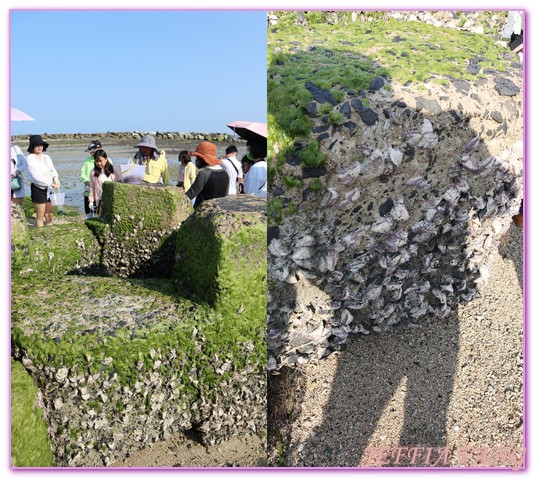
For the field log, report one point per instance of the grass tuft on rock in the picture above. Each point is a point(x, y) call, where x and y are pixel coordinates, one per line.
point(30, 446)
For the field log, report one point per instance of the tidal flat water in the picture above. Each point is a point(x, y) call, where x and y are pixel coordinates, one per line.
point(69, 159)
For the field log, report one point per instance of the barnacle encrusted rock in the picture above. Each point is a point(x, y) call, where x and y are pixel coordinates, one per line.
point(64, 248)
point(138, 227)
point(419, 184)
point(121, 363)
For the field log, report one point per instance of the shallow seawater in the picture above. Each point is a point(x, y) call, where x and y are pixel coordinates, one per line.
point(68, 162)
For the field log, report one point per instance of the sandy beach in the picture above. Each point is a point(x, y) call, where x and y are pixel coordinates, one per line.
point(455, 383)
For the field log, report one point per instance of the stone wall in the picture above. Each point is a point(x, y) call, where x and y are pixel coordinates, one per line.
point(127, 137)
point(412, 188)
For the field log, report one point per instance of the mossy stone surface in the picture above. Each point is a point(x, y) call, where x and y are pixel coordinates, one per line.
point(221, 255)
point(155, 207)
point(30, 446)
point(125, 353)
point(54, 250)
point(123, 362)
point(137, 228)
point(19, 238)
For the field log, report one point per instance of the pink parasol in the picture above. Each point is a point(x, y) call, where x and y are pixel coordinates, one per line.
point(249, 130)
point(17, 115)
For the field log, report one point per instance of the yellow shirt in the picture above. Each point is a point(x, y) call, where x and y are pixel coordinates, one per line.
point(154, 169)
point(190, 172)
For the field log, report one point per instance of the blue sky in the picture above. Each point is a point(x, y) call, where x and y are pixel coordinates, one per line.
point(148, 70)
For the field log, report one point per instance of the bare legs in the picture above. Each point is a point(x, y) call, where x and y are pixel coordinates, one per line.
point(44, 214)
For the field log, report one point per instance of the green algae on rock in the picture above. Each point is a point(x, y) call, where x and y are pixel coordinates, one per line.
point(123, 363)
point(138, 226)
point(229, 271)
point(52, 250)
point(30, 445)
point(19, 239)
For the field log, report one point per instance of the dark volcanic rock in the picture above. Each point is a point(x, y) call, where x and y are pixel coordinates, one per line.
point(473, 67)
point(294, 159)
point(357, 105)
point(377, 84)
point(506, 87)
point(320, 128)
point(386, 207)
point(319, 94)
point(409, 151)
point(272, 233)
point(310, 172)
point(462, 86)
point(311, 108)
point(346, 110)
point(369, 116)
point(351, 126)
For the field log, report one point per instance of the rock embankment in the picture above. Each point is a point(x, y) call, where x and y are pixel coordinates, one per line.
point(127, 137)
point(474, 22)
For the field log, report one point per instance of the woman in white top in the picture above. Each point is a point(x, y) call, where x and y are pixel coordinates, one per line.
point(18, 166)
point(43, 176)
point(255, 181)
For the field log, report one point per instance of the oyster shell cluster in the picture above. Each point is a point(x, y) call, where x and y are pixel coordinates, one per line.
point(405, 226)
point(93, 419)
point(140, 254)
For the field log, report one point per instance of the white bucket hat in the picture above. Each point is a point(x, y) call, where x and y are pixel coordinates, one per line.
point(147, 140)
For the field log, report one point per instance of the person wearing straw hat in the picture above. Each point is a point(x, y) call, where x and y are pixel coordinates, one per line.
point(154, 160)
point(43, 177)
point(212, 180)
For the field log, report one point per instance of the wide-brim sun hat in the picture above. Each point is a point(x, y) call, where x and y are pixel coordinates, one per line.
point(147, 140)
point(207, 152)
point(36, 140)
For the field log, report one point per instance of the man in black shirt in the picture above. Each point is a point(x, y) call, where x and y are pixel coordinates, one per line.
point(212, 180)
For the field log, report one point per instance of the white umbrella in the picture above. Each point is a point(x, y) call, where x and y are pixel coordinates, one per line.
point(17, 115)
